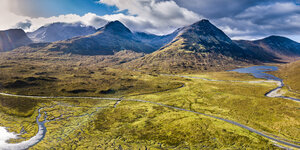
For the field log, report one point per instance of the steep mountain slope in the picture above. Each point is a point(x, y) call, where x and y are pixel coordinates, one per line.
point(200, 46)
point(13, 38)
point(112, 38)
point(60, 31)
point(273, 48)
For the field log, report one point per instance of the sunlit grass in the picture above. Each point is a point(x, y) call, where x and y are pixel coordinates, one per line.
point(242, 102)
point(135, 125)
point(290, 75)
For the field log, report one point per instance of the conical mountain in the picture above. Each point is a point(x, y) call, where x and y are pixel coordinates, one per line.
point(116, 27)
point(13, 38)
point(198, 47)
point(109, 39)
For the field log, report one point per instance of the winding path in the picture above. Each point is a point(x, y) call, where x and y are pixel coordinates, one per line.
point(42, 129)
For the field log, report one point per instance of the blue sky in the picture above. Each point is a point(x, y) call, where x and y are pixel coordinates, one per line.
point(240, 19)
point(48, 8)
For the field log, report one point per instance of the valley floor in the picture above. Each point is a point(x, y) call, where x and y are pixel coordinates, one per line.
point(90, 123)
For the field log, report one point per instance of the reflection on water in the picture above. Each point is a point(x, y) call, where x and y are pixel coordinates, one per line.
point(259, 72)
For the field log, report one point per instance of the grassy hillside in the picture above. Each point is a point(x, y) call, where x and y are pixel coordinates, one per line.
point(290, 75)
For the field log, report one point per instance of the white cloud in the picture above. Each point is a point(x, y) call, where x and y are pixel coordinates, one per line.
point(158, 17)
point(272, 10)
point(245, 18)
point(88, 19)
point(280, 18)
point(143, 15)
point(8, 19)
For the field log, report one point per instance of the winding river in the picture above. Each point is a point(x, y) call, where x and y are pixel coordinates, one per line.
point(32, 141)
point(260, 72)
point(256, 71)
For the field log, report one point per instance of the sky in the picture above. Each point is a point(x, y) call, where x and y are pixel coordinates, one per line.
point(239, 19)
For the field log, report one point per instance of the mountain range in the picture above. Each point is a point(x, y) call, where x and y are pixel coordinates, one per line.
point(109, 39)
point(60, 31)
point(112, 38)
point(200, 46)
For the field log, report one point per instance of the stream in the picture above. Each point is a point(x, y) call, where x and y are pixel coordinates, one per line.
point(25, 144)
point(40, 134)
point(260, 72)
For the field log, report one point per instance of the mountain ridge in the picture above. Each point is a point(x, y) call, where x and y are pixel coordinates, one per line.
point(200, 46)
point(13, 38)
point(105, 41)
point(111, 38)
point(273, 48)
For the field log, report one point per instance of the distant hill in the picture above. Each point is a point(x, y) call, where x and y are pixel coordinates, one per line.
point(200, 46)
point(111, 38)
point(272, 48)
point(13, 38)
point(60, 31)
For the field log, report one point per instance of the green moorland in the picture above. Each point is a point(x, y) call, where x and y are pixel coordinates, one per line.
point(97, 124)
point(63, 75)
point(18, 114)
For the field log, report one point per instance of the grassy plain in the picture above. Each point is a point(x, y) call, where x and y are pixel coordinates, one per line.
point(242, 102)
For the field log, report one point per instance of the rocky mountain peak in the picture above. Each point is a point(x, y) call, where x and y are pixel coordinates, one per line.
point(116, 26)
